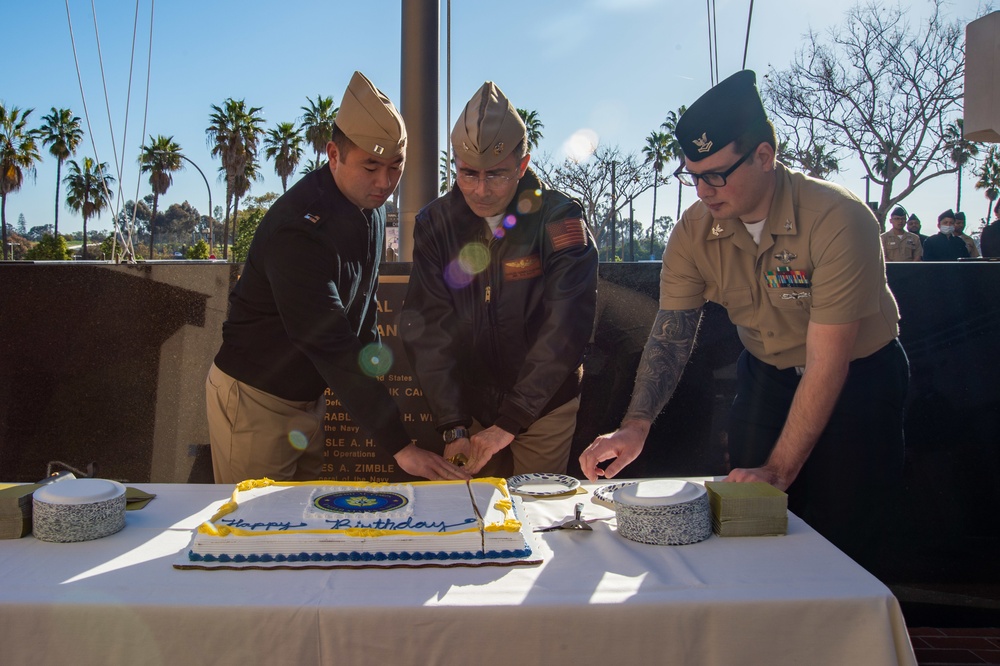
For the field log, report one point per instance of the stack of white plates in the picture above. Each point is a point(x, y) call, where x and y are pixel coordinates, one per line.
point(665, 512)
point(78, 510)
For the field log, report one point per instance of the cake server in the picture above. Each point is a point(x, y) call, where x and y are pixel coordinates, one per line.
point(576, 523)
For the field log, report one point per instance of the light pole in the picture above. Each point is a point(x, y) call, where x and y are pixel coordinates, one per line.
point(211, 227)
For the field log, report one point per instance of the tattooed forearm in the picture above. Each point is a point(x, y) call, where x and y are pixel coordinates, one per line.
point(663, 360)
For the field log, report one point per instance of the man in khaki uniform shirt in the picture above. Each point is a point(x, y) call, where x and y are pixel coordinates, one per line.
point(797, 263)
point(967, 239)
point(898, 244)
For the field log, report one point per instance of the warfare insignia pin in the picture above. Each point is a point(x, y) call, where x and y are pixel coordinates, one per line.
point(704, 145)
point(785, 256)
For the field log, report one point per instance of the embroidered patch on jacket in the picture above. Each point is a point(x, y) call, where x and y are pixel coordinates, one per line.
point(312, 218)
point(567, 233)
point(522, 268)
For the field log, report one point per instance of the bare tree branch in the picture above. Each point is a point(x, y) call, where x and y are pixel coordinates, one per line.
point(877, 89)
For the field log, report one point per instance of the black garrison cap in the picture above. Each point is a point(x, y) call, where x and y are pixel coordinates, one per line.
point(720, 116)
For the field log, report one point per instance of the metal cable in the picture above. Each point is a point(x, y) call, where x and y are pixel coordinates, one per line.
point(447, 130)
point(711, 70)
point(715, 40)
point(746, 44)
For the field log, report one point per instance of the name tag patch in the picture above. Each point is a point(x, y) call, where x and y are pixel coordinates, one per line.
point(523, 268)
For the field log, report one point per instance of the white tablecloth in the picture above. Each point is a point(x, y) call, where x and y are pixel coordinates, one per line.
point(597, 598)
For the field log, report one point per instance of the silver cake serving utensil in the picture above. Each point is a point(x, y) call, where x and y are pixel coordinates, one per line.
point(575, 523)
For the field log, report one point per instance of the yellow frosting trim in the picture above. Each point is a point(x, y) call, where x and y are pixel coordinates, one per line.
point(509, 525)
point(211, 527)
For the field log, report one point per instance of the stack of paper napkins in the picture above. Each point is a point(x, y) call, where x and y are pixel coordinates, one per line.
point(15, 511)
point(747, 509)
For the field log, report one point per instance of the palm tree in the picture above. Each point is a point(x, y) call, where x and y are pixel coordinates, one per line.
point(989, 178)
point(674, 149)
point(18, 154)
point(446, 171)
point(234, 134)
point(62, 133)
point(317, 123)
point(814, 160)
point(311, 165)
point(283, 144)
point(657, 152)
point(534, 127)
point(87, 191)
point(160, 159)
point(960, 152)
point(241, 186)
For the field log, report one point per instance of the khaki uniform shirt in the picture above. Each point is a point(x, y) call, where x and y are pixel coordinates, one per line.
point(971, 244)
point(819, 260)
point(901, 247)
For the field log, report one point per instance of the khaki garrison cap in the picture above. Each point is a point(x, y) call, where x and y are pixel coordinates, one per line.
point(720, 116)
point(488, 130)
point(369, 119)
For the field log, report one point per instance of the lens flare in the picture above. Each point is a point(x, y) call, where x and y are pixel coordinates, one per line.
point(474, 258)
point(581, 145)
point(510, 221)
point(529, 201)
point(456, 276)
point(375, 360)
point(298, 440)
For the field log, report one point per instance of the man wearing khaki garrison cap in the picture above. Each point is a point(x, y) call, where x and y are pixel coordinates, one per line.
point(303, 313)
point(501, 301)
point(797, 264)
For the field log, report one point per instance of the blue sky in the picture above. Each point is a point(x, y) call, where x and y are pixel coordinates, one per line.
point(615, 67)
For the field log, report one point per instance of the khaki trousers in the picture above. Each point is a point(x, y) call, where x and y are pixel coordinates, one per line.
point(255, 434)
point(543, 447)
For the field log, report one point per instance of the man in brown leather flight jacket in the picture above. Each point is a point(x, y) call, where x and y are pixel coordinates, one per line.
point(501, 301)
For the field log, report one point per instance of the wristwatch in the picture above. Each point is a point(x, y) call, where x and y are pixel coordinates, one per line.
point(451, 434)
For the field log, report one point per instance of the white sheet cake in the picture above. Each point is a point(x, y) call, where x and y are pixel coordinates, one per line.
point(345, 523)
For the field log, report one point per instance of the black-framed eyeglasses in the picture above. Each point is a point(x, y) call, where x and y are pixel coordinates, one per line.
point(711, 178)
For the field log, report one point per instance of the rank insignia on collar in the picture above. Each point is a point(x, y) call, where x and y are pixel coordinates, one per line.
point(312, 218)
point(704, 145)
point(785, 256)
point(717, 229)
point(788, 225)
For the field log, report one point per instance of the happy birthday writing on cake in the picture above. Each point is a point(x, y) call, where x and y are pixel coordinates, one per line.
point(350, 524)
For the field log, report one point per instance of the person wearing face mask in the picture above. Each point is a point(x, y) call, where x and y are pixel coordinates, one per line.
point(798, 266)
point(945, 245)
point(302, 316)
point(501, 301)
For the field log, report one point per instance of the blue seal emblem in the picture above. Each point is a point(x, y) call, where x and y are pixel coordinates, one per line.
point(361, 501)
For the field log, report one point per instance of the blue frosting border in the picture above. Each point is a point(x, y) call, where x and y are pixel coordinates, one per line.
point(355, 556)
